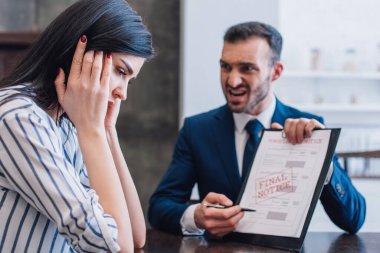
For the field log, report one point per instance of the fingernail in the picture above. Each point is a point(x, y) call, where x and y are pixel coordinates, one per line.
point(108, 55)
point(83, 39)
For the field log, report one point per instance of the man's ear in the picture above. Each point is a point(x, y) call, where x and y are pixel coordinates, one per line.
point(277, 71)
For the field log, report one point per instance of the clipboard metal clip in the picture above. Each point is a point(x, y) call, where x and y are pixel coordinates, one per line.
point(284, 136)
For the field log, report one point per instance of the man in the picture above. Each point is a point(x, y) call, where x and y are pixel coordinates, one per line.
point(210, 146)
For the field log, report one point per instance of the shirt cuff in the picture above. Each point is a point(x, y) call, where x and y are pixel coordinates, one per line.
point(329, 173)
point(188, 224)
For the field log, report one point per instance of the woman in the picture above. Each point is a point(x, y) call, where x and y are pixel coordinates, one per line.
point(64, 184)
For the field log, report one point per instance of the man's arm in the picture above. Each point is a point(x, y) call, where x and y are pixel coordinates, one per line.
point(170, 200)
point(345, 206)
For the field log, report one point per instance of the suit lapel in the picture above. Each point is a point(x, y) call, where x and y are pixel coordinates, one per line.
point(225, 141)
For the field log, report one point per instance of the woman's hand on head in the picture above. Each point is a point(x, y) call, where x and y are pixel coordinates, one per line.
point(85, 97)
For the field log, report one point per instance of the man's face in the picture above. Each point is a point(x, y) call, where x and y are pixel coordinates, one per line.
point(246, 75)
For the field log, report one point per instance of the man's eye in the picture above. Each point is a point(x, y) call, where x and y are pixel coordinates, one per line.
point(224, 66)
point(248, 68)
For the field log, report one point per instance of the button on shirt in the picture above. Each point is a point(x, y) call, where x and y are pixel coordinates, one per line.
point(46, 202)
point(241, 137)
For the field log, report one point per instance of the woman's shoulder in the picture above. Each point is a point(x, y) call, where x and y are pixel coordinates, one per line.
point(15, 93)
point(14, 103)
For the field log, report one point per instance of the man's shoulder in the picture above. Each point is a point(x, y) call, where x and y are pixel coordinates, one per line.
point(298, 112)
point(209, 115)
point(209, 121)
point(202, 127)
point(292, 112)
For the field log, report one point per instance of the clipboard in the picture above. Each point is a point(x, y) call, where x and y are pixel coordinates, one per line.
point(290, 243)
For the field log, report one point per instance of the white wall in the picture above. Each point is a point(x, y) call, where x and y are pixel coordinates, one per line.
point(332, 26)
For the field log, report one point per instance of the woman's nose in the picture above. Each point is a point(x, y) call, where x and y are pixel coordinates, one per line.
point(121, 92)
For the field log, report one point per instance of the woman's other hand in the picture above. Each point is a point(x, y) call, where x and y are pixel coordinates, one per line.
point(113, 110)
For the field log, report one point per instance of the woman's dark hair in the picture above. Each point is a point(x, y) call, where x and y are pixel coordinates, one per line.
point(110, 26)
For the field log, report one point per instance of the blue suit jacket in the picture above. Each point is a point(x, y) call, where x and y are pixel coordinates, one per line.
point(205, 154)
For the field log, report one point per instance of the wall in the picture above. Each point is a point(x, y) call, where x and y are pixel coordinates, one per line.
point(148, 122)
point(347, 40)
point(332, 26)
point(18, 15)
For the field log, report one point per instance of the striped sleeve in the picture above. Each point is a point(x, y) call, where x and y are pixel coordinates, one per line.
point(35, 165)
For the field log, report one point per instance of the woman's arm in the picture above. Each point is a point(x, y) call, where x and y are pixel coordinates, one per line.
point(104, 178)
point(131, 197)
point(37, 160)
point(130, 193)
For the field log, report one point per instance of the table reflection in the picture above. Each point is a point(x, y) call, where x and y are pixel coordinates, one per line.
point(315, 242)
point(356, 244)
point(200, 244)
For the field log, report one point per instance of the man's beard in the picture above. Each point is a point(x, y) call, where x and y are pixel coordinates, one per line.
point(258, 96)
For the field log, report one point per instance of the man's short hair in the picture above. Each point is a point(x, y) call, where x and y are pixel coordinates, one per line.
point(244, 31)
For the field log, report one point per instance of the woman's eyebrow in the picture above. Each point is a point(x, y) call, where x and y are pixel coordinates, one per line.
point(130, 70)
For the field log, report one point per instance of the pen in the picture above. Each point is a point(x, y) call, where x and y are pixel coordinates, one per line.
point(219, 206)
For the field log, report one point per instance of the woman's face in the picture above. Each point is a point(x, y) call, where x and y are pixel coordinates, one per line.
point(125, 68)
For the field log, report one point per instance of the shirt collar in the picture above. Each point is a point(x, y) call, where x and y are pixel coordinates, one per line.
point(265, 117)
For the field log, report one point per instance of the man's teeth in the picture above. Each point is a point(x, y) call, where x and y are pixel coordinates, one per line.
point(237, 93)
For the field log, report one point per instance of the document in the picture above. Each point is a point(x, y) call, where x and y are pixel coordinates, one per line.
point(282, 183)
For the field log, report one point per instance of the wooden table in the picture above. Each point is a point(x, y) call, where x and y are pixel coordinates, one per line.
point(315, 242)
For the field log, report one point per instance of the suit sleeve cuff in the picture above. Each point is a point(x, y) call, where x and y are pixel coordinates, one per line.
point(188, 224)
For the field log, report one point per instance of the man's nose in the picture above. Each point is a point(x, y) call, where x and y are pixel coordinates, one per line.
point(234, 78)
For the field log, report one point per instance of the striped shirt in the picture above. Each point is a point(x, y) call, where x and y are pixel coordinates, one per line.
point(46, 202)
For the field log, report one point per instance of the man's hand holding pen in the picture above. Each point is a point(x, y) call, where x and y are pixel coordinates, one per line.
point(219, 206)
point(217, 221)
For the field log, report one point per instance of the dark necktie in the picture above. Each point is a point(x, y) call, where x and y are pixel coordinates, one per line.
point(253, 128)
